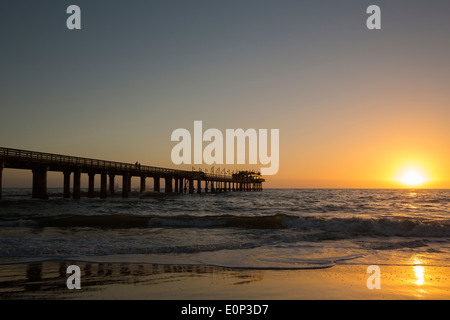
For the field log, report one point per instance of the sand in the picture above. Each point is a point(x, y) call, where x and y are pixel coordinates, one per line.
point(47, 280)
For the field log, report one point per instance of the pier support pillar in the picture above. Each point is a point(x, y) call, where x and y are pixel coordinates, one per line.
point(125, 185)
point(156, 184)
point(206, 186)
point(225, 186)
point(91, 185)
point(40, 183)
point(199, 186)
point(213, 190)
point(111, 183)
point(176, 184)
point(67, 184)
point(103, 185)
point(77, 184)
point(1, 177)
point(168, 187)
point(191, 186)
point(180, 187)
point(142, 188)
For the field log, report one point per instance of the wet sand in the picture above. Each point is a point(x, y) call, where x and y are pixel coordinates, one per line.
point(47, 280)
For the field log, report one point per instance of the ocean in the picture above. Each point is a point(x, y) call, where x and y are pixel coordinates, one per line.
point(272, 229)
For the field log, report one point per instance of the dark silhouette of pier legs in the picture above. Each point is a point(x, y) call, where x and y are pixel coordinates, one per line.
point(67, 184)
point(129, 182)
point(91, 185)
point(77, 184)
point(176, 185)
point(156, 184)
point(40, 182)
point(213, 190)
point(180, 187)
point(142, 188)
point(111, 183)
point(191, 186)
point(168, 187)
point(199, 186)
point(125, 186)
point(1, 177)
point(206, 186)
point(103, 184)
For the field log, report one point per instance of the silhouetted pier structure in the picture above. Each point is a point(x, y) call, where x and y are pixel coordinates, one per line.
point(180, 181)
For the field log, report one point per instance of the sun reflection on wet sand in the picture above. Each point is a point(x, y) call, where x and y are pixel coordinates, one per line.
point(419, 274)
point(419, 271)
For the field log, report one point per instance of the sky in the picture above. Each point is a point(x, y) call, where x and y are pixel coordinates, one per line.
point(353, 106)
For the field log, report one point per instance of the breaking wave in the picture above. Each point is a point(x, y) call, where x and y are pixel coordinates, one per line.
point(350, 227)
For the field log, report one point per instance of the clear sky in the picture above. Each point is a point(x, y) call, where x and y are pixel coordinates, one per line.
point(354, 106)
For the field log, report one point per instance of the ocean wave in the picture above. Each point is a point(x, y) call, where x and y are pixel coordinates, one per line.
point(346, 227)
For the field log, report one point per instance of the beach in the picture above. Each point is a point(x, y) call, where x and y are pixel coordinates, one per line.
point(47, 281)
point(271, 245)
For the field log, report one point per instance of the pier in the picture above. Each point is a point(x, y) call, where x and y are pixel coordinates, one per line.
point(179, 181)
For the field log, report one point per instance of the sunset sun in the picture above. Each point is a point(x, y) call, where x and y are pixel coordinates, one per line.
point(412, 177)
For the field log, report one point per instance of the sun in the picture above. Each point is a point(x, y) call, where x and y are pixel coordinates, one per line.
point(412, 177)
